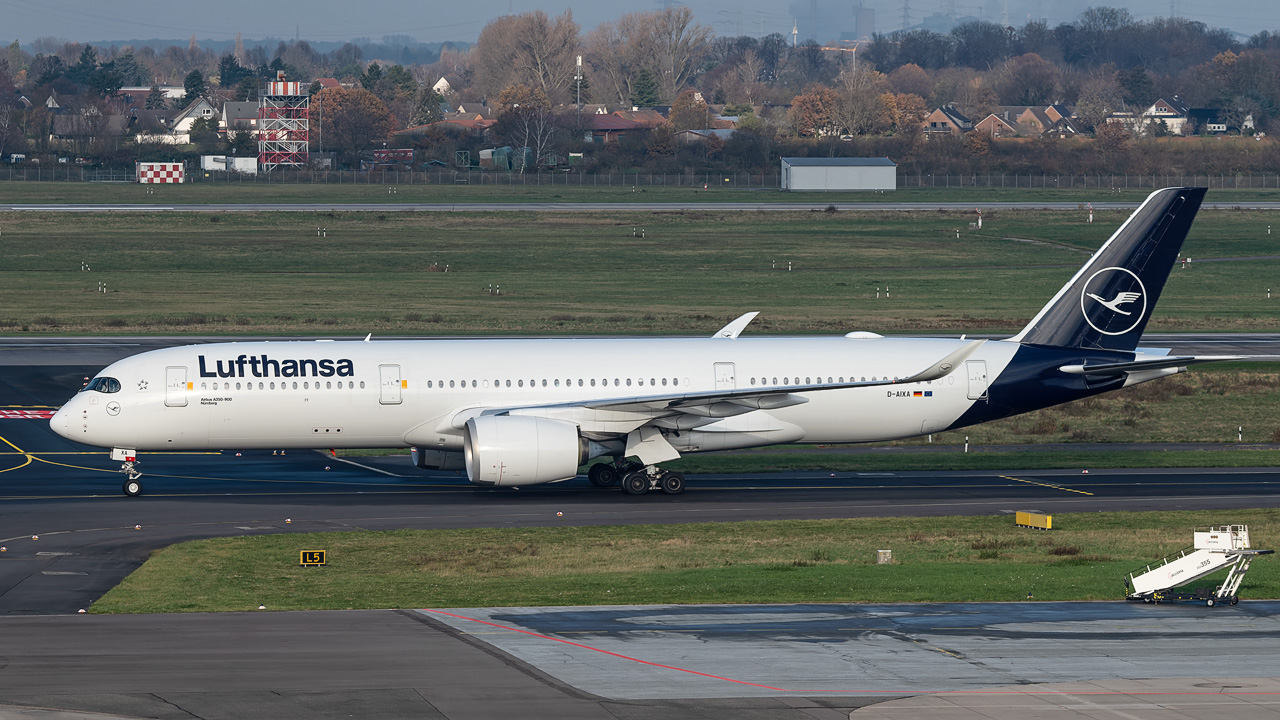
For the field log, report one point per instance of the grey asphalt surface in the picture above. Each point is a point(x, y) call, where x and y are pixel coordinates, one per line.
point(394, 664)
point(818, 205)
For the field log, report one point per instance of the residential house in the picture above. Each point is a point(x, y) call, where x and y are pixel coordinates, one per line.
point(1213, 121)
point(442, 87)
point(198, 109)
point(648, 118)
point(327, 83)
point(609, 128)
point(946, 120)
point(473, 107)
point(238, 117)
point(999, 124)
point(697, 137)
point(1034, 121)
point(594, 109)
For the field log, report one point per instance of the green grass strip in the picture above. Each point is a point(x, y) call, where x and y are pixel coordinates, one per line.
point(939, 559)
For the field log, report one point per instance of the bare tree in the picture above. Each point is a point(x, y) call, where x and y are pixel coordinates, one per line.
point(858, 108)
point(679, 45)
point(530, 49)
point(545, 51)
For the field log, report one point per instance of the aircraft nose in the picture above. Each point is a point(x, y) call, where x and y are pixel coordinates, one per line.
point(59, 422)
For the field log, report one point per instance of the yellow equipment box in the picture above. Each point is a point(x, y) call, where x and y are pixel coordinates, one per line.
point(1033, 520)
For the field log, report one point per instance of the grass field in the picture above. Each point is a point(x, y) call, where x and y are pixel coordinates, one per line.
point(511, 189)
point(563, 273)
point(945, 559)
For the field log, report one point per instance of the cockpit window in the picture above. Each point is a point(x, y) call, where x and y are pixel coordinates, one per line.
point(103, 385)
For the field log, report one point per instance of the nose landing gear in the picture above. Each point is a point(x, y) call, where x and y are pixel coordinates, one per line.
point(132, 486)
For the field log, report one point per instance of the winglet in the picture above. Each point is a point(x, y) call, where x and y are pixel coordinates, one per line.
point(943, 367)
point(368, 337)
point(733, 329)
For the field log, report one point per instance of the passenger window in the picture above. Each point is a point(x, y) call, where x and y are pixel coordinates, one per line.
point(361, 384)
point(328, 385)
point(204, 386)
point(508, 383)
point(273, 386)
point(520, 383)
point(664, 381)
point(753, 381)
point(628, 382)
point(428, 384)
point(557, 382)
point(593, 382)
point(544, 383)
point(616, 383)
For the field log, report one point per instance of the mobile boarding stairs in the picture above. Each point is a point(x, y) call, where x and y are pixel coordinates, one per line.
point(1214, 549)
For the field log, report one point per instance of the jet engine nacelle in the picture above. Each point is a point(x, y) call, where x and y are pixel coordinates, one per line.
point(506, 450)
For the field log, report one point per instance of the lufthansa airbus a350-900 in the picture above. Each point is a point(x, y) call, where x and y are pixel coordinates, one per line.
point(523, 412)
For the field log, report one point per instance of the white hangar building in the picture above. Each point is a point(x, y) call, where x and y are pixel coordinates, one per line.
point(824, 174)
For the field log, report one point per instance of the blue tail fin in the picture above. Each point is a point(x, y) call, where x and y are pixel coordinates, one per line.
point(1107, 304)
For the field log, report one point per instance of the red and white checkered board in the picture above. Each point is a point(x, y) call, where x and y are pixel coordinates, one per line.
point(25, 414)
point(153, 173)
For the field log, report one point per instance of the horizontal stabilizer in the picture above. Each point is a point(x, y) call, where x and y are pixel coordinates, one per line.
point(1120, 368)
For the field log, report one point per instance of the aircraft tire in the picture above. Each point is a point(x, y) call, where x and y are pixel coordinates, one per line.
point(636, 483)
point(603, 475)
point(132, 488)
point(672, 483)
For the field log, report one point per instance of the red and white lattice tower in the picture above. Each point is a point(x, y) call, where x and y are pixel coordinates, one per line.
point(283, 128)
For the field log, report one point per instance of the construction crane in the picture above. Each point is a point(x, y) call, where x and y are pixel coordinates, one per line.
point(1213, 549)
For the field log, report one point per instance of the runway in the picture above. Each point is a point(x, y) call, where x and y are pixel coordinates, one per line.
point(606, 207)
point(69, 536)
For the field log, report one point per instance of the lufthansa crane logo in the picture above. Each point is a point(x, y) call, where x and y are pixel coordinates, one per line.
point(1121, 293)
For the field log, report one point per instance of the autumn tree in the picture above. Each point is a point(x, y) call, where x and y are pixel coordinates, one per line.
point(911, 79)
point(903, 113)
point(813, 112)
point(1112, 139)
point(664, 46)
point(690, 112)
point(355, 120)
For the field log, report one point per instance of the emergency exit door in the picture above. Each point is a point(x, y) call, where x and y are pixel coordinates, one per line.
point(175, 387)
point(391, 384)
point(726, 376)
point(977, 371)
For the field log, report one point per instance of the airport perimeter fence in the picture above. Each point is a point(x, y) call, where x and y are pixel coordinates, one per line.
point(488, 178)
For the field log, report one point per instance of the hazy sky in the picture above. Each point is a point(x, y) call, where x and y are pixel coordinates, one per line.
point(435, 20)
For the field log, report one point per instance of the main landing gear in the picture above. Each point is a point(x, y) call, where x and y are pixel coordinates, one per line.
point(636, 479)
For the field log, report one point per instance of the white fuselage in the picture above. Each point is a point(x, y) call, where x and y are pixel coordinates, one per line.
point(421, 392)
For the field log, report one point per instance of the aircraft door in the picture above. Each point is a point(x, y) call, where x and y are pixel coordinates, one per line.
point(977, 370)
point(390, 383)
point(175, 387)
point(726, 376)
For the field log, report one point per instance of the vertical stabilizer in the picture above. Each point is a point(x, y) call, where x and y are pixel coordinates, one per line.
point(1107, 304)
